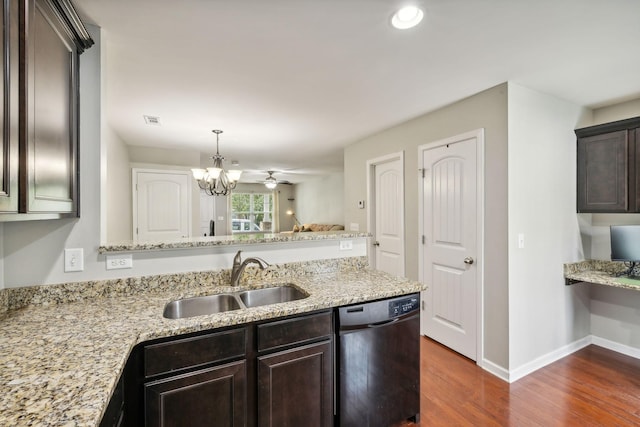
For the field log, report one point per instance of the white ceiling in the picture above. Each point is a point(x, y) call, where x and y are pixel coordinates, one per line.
point(291, 82)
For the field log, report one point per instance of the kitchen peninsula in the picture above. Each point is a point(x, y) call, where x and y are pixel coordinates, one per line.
point(64, 347)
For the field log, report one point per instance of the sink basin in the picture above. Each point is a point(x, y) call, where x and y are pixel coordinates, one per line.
point(198, 306)
point(258, 297)
point(211, 304)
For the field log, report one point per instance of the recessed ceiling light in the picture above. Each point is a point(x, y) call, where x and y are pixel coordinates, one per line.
point(407, 17)
point(152, 120)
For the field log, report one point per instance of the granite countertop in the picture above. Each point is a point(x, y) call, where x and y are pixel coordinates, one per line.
point(61, 360)
point(230, 240)
point(599, 272)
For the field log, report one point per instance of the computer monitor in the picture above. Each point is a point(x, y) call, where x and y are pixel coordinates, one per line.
point(625, 245)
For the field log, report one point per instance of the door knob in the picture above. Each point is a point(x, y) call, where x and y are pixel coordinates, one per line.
point(468, 260)
point(376, 244)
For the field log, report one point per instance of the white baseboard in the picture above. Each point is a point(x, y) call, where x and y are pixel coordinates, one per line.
point(494, 369)
point(546, 359)
point(616, 346)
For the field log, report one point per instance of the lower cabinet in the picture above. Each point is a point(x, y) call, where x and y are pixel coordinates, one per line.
point(213, 396)
point(295, 387)
point(275, 373)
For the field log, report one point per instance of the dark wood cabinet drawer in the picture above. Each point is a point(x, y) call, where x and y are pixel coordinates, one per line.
point(194, 351)
point(295, 330)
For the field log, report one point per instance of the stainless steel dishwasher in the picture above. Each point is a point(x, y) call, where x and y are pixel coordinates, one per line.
point(378, 362)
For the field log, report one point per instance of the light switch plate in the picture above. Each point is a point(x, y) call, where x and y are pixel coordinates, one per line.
point(73, 260)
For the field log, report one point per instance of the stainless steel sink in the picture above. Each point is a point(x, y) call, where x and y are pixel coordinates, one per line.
point(211, 304)
point(258, 297)
point(198, 306)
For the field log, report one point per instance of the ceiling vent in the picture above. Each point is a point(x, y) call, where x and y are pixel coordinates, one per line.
point(152, 120)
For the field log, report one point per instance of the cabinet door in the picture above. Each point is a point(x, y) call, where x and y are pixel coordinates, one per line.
point(603, 171)
point(9, 108)
point(211, 397)
point(295, 387)
point(49, 105)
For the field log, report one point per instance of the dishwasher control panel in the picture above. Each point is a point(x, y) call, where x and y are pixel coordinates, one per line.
point(376, 313)
point(398, 307)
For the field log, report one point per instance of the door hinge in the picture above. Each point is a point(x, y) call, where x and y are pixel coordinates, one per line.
point(422, 171)
point(424, 240)
point(136, 230)
point(422, 304)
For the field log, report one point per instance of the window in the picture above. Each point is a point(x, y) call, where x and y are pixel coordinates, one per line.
point(251, 212)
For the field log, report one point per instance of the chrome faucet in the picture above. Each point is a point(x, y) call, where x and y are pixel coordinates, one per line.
point(239, 266)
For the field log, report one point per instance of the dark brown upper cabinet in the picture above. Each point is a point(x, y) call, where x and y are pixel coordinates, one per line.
point(608, 167)
point(42, 41)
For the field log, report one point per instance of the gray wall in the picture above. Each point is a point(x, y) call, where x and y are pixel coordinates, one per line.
point(117, 186)
point(321, 200)
point(544, 314)
point(488, 110)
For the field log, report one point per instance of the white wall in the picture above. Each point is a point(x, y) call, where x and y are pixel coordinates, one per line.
point(321, 200)
point(544, 314)
point(117, 187)
point(488, 110)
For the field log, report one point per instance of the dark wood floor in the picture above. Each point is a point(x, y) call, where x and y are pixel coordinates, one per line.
point(592, 387)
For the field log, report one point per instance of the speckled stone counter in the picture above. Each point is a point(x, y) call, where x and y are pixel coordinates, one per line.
point(60, 360)
point(599, 272)
point(230, 240)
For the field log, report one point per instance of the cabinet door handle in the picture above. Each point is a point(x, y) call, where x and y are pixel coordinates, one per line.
point(468, 260)
point(376, 243)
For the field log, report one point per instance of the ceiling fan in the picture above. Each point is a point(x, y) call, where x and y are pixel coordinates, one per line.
point(271, 182)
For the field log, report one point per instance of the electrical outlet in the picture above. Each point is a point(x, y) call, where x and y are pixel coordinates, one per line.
point(346, 245)
point(73, 260)
point(117, 262)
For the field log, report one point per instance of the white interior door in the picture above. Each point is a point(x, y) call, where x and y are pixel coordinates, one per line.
point(161, 205)
point(387, 207)
point(451, 251)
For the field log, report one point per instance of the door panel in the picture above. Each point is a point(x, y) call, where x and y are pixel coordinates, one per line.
point(163, 205)
point(389, 217)
point(449, 223)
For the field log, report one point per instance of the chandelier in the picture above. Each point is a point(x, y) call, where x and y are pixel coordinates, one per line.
point(215, 181)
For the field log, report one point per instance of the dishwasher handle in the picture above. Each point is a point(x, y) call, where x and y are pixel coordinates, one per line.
point(383, 323)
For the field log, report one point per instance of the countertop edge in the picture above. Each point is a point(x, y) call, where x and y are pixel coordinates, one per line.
point(232, 240)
